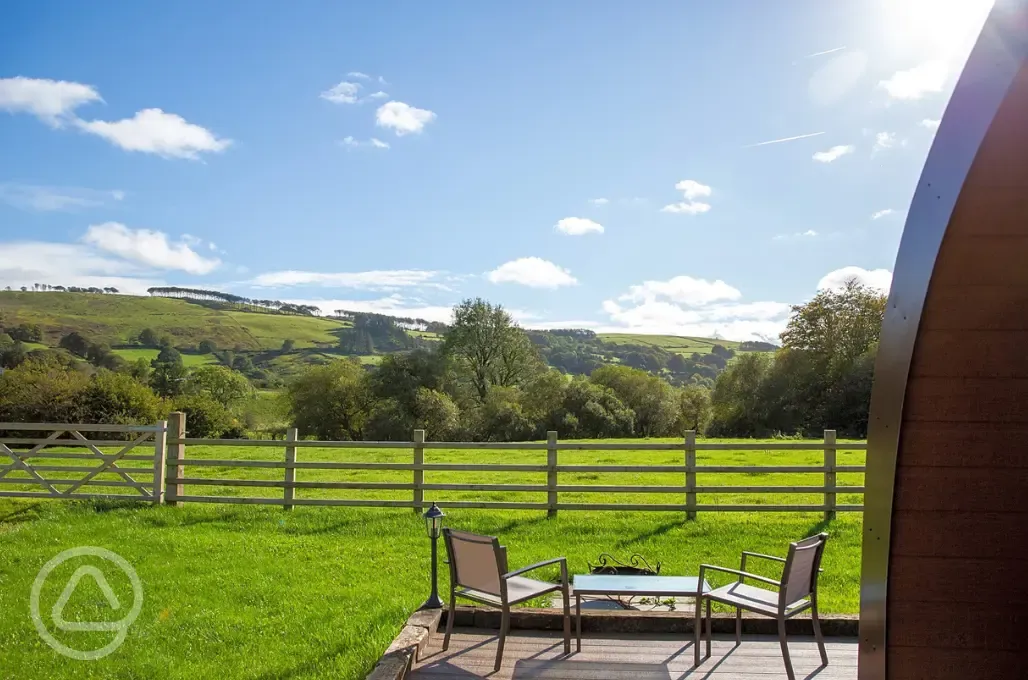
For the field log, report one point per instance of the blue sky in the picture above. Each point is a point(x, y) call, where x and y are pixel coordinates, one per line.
point(604, 165)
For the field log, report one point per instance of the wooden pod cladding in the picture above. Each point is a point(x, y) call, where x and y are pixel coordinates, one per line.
point(944, 573)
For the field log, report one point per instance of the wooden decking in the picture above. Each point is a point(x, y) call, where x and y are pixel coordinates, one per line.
point(537, 655)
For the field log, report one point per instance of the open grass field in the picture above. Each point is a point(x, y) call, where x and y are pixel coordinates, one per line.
point(188, 360)
point(117, 319)
point(671, 343)
point(257, 593)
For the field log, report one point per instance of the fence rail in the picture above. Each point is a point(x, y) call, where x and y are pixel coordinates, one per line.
point(169, 463)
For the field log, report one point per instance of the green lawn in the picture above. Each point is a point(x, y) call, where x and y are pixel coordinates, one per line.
point(189, 360)
point(256, 592)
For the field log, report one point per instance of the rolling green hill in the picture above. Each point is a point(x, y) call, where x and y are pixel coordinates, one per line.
point(672, 343)
point(118, 319)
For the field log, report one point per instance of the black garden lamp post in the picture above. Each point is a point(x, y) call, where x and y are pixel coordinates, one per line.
point(434, 526)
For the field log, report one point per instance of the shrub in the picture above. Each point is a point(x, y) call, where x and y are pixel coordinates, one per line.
point(205, 417)
point(118, 398)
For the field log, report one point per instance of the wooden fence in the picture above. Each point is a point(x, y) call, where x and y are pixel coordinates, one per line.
point(88, 479)
point(168, 461)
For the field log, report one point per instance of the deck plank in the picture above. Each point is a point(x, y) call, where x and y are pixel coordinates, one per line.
point(539, 655)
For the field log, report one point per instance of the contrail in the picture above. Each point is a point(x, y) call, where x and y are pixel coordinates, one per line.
point(818, 54)
point(784, 139)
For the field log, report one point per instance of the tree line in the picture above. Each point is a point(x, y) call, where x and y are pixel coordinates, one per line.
point(486, 381)
point(237, 301)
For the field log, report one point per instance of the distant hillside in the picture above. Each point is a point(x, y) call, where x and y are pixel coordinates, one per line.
point(261, 336)
point(118, 319)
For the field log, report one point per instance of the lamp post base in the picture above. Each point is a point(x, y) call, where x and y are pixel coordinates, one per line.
point(432, 603)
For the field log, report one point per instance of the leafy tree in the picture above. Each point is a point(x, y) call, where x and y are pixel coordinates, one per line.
point(389, 420)
point(207, 347)
point(485, 342)
point(168, 373)
point(140, 370)
point(43, 391)
point(205, 417)
point(436, 414)
point(118, 398)
point(75, 343)
point(12, 353)
point(593, 410)
point(148, 338)
point(288, 344)
point(837, 326)
point(332, 401)
point(242, 363)
point(400, 376)
point(26, 332)
point(693, 408)
point(502, 417)
point(225, 386)
point(652, 399)
point(97, 352)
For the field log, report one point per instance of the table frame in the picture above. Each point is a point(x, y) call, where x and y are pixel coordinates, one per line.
point(655, 592)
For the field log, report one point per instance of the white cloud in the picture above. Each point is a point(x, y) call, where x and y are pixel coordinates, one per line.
point(879, 214)
point(68, 264)
point(148, 247)
point(157, 132)
point(880, 279)
point(55, 199)
point(691, 189)
point(599, 201)
point(52, 101)
point(930, 123)
point(349, 141)
point(578, 226)
point(383, 280)
point(809, 233)
point(915, 83)
point(884, 140)
point(691, 208)
point(343, 93)
point(834, 153)
point(682, 289)
point(403, 118)
point(378, 95)
point(358, 74)
point(689, 306)
point(533, 272)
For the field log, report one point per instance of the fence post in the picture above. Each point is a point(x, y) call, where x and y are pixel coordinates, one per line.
point(160, 452)
point(289, 492)
point(551, 473)
point(690, 474)
point(419, 474)
point(829, 474)
point(175, 456)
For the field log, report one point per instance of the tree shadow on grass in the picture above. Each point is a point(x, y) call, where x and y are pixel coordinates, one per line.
point(659, 530)
point(498, 529)
point(304, 669)
point(29, 513)
point(818, 527)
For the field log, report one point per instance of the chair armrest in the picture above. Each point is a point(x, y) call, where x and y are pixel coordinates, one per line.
point(556, 560)
point(738, 572)
point(746, 553)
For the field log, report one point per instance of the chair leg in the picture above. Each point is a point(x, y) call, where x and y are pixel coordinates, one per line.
point(504, 627)
point(738, 626)
point(710, 629)
point(697, 627)
point(785, 648)
point(450, 616)
point(817, 633)
point(567, 619)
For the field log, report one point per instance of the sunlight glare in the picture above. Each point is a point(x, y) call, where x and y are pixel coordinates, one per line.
point(943, 26)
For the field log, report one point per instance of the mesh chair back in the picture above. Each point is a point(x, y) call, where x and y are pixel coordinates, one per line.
point(476, 561)
point(799, 577)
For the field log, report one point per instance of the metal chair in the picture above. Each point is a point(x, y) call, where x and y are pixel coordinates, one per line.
point(797, 592)
point(478, 572)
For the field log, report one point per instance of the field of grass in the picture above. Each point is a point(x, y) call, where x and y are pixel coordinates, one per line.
point(252, 580)
point(671, 343)
point(117, 319)
point(317, 593)
point(189, 360)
